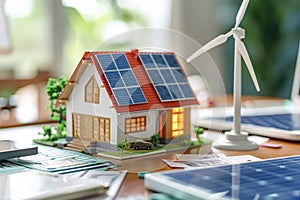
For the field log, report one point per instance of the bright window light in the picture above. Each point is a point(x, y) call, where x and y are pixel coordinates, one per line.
point(89, 9)
point(18, 9)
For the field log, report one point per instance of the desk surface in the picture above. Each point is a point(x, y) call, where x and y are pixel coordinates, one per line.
point(133, 185)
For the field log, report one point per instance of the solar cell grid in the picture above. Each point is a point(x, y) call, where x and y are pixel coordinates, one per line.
point(166, 76)
point(269, 179)
point(171, 60)
point(121, 79)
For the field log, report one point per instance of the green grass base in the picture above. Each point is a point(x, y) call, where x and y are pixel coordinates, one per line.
point(127, 154)
point(44, 142)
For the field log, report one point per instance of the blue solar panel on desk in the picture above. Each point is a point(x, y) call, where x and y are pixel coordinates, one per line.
point(287, 122)
point(166, 76)
point(263, 180)
point(121, 79)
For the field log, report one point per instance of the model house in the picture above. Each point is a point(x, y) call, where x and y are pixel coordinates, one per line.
point(115, 95)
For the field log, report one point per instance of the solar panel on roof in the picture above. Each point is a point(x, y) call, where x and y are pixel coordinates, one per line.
point(121, 79)
point(166, 76)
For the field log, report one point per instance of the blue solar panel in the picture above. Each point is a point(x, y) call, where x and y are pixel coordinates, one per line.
point(175, 91)
point(106, 62)
point(137, 95)
point(127, 78)
point(171, 60)
point(121, 61)
point(147, 61)
point(123, 97)
point(121, 79)
point(166, 76)
point(159, 60)
point(155, 77)
point(266, 180)
point(114, 79)
point(180, 78)
point(288, 122)
point(163, 92)
point(185, 88)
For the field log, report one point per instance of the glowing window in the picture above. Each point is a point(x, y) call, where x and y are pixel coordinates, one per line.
point(177, 122)
point(135, 124)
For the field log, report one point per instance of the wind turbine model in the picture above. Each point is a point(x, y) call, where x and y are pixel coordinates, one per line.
point(235, 139)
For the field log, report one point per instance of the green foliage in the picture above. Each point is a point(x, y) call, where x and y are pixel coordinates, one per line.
point(53, 133)
point(85, 33)
point(124, 145)
point(58, 113)
point(47, 131)
point(199, 131)
point(155, 139)
point(272, 37)
point(53, 89)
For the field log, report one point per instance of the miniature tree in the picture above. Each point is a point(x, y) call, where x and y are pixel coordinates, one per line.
point(155, 139)
point(199, 131)
point(124, 145)
point(53, 89)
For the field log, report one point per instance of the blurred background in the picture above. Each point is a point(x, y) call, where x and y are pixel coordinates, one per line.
point(46, 38)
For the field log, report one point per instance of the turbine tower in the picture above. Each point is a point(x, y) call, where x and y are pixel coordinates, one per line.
point(234, 139)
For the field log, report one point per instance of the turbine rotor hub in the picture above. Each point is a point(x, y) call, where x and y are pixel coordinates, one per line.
point(238, 32)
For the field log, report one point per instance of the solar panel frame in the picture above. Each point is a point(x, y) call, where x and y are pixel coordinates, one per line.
point(164, 72)
point(121, 79)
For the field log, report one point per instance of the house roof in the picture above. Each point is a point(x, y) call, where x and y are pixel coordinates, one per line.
point(137, 81)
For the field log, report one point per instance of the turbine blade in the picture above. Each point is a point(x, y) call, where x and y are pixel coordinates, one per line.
point(213, 43)
point(241, 13)
point(243, 51)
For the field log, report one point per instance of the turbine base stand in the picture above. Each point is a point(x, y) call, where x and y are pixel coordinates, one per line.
point(236, 141)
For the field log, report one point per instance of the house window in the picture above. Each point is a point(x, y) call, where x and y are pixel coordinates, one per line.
point(92, 91)
point(104, 129)
point(177, 122)
point(135, 124)
point(76, 125)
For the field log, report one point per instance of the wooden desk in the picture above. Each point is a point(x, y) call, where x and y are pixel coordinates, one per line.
point(133, 185)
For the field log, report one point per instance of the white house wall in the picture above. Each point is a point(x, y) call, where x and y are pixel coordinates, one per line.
point(77, 104)
point(152, 122)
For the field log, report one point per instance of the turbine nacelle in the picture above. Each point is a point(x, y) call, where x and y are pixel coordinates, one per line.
point(238, 32)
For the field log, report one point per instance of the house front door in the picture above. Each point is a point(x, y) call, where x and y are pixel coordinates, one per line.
point(174, 122)
point(91, 127)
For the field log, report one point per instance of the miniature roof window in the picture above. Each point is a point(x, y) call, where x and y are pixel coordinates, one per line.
point(92, 91)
